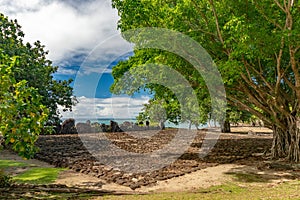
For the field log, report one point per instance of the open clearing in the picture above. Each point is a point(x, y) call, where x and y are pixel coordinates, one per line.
point(238, 162)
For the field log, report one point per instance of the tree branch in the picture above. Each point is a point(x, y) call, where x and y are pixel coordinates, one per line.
point(218, 26)
point(246, 64)
point(278, 60)
point(260, 10)
point(279, 5)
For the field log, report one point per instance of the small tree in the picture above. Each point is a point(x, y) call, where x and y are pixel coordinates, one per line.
point(33, 66)
point(22, 115)
point(157, 112)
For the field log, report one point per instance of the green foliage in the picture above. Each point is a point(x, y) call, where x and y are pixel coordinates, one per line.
point(156, 111)
point(29, 96)
point(236, 116)
point(5, 180)
point(165, 15)
point(32, 65)
point(22, 114)
point(255, 45)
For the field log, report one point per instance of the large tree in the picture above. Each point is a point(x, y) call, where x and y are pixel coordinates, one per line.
point(255, 45)
point(33, 66)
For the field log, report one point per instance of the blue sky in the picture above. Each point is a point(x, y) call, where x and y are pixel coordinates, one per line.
point(83, 40)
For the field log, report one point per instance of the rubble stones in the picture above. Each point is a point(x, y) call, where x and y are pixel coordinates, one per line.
point(84, 128)
point(69, 151)
point(68, 127)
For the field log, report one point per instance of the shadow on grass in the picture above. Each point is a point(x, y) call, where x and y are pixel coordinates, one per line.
point(249, 177)
point(252, 175)
point(226, 188)
point(54, 191)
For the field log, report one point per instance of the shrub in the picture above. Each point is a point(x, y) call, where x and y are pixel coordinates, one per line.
point(5, 180)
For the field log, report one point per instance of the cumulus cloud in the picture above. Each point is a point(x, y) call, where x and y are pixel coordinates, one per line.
point(83, 40)
point(65, 27)
point(123, 107)
point(106, 54)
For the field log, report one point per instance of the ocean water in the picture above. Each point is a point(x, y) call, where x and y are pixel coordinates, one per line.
point(106, 121)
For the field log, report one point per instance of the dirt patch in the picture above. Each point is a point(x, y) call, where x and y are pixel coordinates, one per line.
point(204, 178)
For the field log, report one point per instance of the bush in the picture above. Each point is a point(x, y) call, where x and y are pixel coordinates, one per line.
point(5, 180)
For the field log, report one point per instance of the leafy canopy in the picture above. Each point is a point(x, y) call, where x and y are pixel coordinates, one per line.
point(33, 66)
point(29, 96)
point(255, 45)
point(22, 115)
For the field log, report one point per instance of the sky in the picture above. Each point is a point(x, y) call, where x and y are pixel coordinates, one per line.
point(82, 39)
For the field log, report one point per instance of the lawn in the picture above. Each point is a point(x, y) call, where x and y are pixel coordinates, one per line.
point(232, 191)
point(31, 174)
point(38, 175)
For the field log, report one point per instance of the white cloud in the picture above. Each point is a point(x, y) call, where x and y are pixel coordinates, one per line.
point(114, 108)
point(65, 27)
point(65, 71)
point(71, 29)
point(104, 54)
point(11, 7)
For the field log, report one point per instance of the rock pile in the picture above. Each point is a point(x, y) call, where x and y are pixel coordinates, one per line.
point(69, 151)
point(68, 127)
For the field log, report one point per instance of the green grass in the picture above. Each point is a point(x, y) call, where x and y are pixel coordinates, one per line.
point(228, 191)
point(10, 163)
point(38, 175)
point(33, 175)
point(224, 189)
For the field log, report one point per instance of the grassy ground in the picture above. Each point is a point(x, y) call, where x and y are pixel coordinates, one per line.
point(4, 164)
point(38, 176)
point(30, 173)
point(289, 190)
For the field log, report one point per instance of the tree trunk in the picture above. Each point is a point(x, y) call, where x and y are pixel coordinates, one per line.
point(162, 125)
point(286, 143)
point(209, 125)
point(225, 127)
point(294, 147)
point(279, 145)
point(190, 125)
